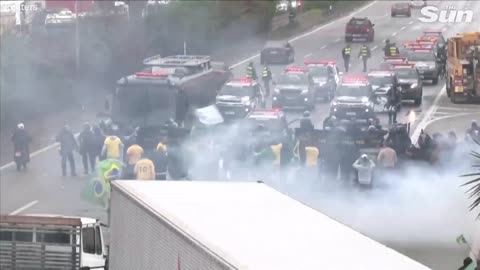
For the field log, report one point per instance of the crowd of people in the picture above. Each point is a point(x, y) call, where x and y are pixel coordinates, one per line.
point(332, 158)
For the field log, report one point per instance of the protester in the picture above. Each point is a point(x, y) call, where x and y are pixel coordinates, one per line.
point(87, 148)
point(364, 166)
point(68, 144)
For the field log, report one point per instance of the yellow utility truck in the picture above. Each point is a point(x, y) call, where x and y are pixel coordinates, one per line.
point(463, 67)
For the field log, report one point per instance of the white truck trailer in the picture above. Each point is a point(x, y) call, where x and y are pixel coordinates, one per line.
point(233, 225)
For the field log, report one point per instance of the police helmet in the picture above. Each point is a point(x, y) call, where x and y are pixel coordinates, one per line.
point(371, 128)
point(306, 114)
point(387, 41)
point(364, 157)
point(20, 126)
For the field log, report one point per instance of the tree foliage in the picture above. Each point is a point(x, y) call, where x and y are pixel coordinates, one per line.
point(474, 184)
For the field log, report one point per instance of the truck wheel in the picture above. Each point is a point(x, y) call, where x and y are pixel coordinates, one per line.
point(348, 39)
point(409, 15)
point(393, 14)
point(435, 80)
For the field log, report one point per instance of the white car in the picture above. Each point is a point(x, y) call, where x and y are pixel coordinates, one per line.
point(418, 4)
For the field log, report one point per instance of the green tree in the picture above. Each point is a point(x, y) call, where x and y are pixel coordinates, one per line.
point(474, 190)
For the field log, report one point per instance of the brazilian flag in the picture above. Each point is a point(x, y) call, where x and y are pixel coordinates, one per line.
point(97, 190)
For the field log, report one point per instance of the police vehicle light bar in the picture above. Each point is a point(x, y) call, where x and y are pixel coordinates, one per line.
point(242, 80)
point(423, 49)
point(426, 41)
point(394, 58)
point(354, 79)
point(296, 69)
point(320, 62)
point(419, 46)
point(151, 75)
point(404, 65)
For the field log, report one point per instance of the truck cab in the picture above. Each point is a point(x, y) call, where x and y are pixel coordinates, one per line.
point(51, 242)
point(463, 67)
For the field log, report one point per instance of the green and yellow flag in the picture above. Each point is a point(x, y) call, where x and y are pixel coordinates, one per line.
point(97, 190)
point(461, 240)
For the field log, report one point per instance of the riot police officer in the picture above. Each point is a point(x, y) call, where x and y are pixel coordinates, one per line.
point(364, 54)
point(346, 52)
point(393, 50)
point(266, 77)
point(251, 72)
point(306, 122)
point(386, 49)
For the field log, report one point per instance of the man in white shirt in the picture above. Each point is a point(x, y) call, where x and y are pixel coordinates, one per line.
point(364, 166)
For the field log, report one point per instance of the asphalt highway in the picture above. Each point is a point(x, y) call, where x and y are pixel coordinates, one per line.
point(42, 189)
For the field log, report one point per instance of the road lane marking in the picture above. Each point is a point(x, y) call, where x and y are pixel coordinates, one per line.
point(410, 22)
point(403, 27)
point(307, 55)
point(23, 208)
point(374, 48)
point(232, 66)
point(323, 47)
point(383, 41)
point(338, 39)
point(394, 33)
point(448, 116)
point(431, 111)
point(308, 33)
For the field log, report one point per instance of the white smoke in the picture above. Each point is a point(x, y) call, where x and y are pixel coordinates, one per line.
point(421, 205)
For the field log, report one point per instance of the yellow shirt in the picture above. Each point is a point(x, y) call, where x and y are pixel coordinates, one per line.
point(113, 146)
point(162, 146)
point(145, 170)
point(134, 154)
point(312, 156)
point(276, 149)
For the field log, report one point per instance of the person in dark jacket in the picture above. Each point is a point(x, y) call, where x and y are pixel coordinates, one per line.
point(21, 140)
point(68, 144)
point(87, 146)
point(306, 122)
point(99, 141)
point(160, 160)
point(466, 262)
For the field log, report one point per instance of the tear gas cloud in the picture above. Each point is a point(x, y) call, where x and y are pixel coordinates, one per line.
point(421, 205)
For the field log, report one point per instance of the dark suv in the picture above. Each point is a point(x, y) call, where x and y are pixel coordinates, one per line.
point(353, 99)
point(294, 88)
point(359, 28)
point(277, 52)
